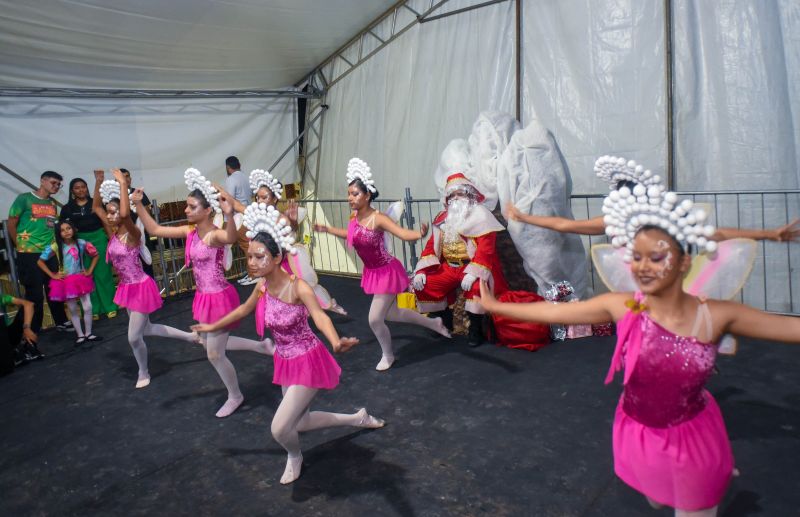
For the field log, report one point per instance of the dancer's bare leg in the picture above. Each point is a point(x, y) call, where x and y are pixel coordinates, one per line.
point(292, 417)
point(215, 343)
point(137, 322)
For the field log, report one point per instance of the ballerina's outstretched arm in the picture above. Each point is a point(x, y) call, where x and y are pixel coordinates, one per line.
point(333, 230)
point(321, 320)
point(742, 320)
point(600, 309)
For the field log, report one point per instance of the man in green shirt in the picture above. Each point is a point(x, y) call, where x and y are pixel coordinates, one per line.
point(31, 223)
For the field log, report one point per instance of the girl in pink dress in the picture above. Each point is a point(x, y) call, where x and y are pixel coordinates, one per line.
point(383, 276)
point(303, 365)
point(72, 283)
point(214, 297)
point(137, 292)
point(670, 441)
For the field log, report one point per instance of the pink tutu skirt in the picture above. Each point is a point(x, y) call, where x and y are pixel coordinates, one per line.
point(687, 466)
point(389, 279)
point(139, 297)
point(314, 369)
point(70, 287)
point(212, 307)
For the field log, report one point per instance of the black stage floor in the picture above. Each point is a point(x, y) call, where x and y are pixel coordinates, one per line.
point(487, 431)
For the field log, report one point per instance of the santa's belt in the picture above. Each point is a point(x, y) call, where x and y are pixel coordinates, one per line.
point(457, 263)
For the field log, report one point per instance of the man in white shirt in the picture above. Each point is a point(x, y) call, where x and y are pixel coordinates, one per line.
point(237, 183)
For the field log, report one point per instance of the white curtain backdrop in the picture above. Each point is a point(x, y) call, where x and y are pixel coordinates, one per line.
point(155, 139)
point(400, 109)
point(594, 76)
point(737, 116)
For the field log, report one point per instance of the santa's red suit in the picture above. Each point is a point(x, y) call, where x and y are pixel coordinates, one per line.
point(469, 251)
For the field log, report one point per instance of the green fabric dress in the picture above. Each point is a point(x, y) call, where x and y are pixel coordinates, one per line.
point(104, 288)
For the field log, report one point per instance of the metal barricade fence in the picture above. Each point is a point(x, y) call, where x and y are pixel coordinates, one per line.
point(772, 285)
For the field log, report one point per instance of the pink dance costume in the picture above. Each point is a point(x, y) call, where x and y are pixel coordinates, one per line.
point(74, 284)
point(300, 357)
point(214, 297)
point(383, 274)
point(136, 291)
point(670, 441)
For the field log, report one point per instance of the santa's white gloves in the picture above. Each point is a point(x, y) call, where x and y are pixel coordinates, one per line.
point(467, 281)
point(418, 282)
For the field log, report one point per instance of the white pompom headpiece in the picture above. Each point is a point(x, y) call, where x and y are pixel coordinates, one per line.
point(261, 178)
point(196, 181)
point(109, 190)
point(261, 217)
point(357, 169)
point(626, 211)
point(614, 169)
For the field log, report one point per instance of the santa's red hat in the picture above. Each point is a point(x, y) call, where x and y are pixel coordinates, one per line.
point(457, 182)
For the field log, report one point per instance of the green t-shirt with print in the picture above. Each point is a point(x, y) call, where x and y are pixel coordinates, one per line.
point(37, 219)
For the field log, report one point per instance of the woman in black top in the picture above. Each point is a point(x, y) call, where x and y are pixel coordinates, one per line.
point(90, 228)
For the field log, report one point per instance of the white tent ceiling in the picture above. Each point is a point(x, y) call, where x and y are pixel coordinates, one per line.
point(173, 44)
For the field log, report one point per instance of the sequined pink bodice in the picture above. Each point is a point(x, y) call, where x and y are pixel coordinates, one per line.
point(288, 323)
point(666, 385)
point(209, 274)
point(126, 261)
point(369, 245)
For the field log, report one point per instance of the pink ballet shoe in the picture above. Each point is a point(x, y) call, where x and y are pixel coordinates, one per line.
point(292, 471)
point(143, 382)
point(368, 421)
point(229, 407)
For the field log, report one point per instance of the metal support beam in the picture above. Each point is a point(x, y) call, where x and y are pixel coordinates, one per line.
point(518, 58)
point(335, 76)
point(305, 129)
point(426, 19)
point(101, 93)
point(669, 77)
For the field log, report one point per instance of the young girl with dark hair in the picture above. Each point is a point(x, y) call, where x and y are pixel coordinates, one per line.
point(303, 365)
point(669, 439)
point(72, 283)
point(214, 297)
point(383, 276)
point(137, 292)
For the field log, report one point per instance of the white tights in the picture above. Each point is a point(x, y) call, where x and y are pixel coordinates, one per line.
point(708, 512)
point(216, 343)
point(75, 313)
point(139, 326)
point(293, 417)
point(384, 308)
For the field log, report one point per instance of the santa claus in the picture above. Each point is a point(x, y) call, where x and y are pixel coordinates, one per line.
point(460, 251)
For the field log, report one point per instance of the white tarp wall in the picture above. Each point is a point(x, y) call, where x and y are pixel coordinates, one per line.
point(401, 107)
point(594, 75)
point(156, 139)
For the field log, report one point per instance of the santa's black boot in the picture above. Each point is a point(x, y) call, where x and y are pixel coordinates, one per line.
point(447, 317)
point(475, 336)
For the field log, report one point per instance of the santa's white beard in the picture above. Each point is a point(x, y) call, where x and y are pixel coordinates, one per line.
point(457, 212)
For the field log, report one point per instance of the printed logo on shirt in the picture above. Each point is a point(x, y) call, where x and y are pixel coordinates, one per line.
point(44, 212)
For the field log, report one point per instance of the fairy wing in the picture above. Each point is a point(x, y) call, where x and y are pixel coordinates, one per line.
point(395, 212)
point(144, 252)
point(612, 269)
point(722, 275)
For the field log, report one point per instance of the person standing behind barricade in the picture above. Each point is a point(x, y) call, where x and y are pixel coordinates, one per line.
point(31, 219)
point(238, 187)
point(79, 211)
